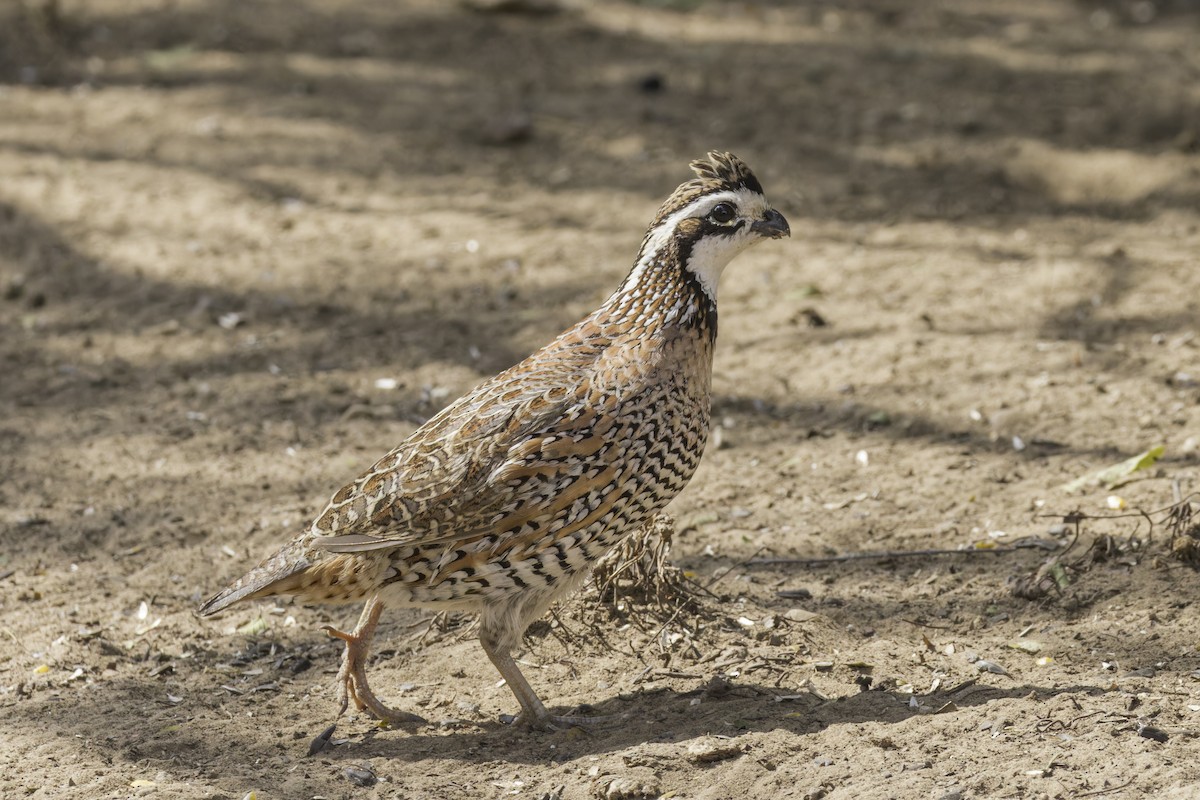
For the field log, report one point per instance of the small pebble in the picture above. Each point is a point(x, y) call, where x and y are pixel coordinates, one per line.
point(360, 775)
point(652, 83)
point(708, 752)
point(621, 787)
point(1144, 672)
point(1149, 732)
point(230, 321)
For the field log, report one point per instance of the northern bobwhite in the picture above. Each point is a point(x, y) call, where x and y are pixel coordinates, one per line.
point(503, 501)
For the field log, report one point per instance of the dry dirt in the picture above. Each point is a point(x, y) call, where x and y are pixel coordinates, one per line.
point(245, 248)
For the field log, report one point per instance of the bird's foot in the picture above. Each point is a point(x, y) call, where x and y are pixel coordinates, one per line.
point(352, 681)
point(549, 722)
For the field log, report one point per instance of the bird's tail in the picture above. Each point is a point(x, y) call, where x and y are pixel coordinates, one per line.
point(277, 574)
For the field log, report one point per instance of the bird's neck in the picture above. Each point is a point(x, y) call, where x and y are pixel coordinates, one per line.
point(658, 295)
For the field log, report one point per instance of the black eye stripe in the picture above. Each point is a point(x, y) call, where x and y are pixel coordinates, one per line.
point(710, 228)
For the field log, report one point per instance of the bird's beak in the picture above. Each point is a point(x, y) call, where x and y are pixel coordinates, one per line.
point(772, 225)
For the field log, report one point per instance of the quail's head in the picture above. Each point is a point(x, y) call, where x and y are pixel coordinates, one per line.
point(713, 217)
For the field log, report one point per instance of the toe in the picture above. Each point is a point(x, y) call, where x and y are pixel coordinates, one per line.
point(550, 722)
point(348, 638)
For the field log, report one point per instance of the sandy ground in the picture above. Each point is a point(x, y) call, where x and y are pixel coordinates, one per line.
point(245, 248)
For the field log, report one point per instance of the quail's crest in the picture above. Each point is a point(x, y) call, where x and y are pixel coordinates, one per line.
point(727, 169)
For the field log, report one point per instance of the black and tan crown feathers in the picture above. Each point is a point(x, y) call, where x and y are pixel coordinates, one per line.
point(722, 172)
point(728, 170)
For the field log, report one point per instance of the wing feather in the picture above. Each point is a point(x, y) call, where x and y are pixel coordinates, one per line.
point(501, 455)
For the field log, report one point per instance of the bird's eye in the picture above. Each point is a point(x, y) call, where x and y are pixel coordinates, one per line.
point(722, 213)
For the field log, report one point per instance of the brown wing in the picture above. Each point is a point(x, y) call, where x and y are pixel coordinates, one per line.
point(507, 453)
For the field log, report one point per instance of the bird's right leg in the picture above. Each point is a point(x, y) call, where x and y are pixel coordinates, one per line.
point(352, 677)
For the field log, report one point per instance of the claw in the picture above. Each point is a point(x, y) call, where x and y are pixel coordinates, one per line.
point(352, 676)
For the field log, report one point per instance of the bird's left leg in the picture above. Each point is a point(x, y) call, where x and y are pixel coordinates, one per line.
point(533, 711)
point(352, 677)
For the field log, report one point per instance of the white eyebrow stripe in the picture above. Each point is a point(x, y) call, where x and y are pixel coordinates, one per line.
point(746, 201)
point(701, 206)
